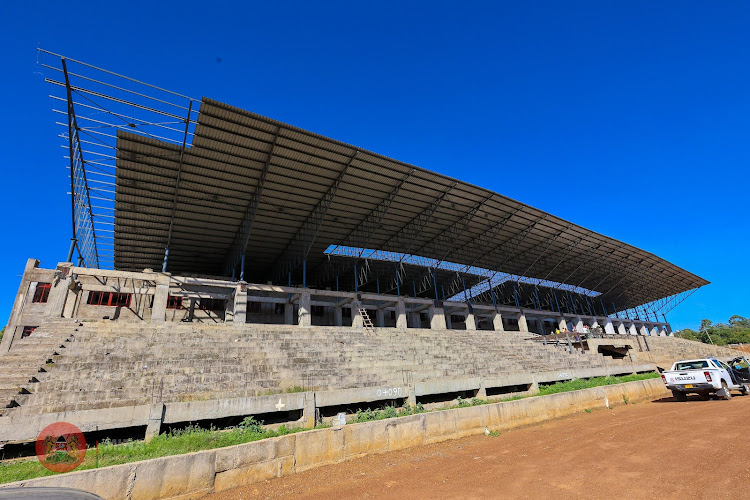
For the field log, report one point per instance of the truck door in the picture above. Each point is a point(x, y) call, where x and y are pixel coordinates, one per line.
point(740, 370)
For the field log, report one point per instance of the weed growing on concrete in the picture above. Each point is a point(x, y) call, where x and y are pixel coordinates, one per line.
point(409, 410)
point(587, 410)
point(369, 415)
point(461, 402)
point(625, 399)
point(249, 424)
point(494, 433)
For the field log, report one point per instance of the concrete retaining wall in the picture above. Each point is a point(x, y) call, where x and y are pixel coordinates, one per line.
point(195, 474)
point(25, 428)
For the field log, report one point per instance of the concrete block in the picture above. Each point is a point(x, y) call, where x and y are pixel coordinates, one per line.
point(446, 385)
point(246, 474)
point(176, 475)
point(219, 408)
point(439, 426)
point(245, 454)
point(472, 420)
point(285, 445)
point(286, 466)
point(314, 448)
point(365, 438)
point(108, 482)
point(406, 432)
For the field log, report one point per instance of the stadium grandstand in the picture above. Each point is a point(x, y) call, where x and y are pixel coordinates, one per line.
point(225, 264)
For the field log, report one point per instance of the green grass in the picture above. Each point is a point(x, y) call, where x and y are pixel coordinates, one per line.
point(197, 439)
point(578, 384)
point(174, 443)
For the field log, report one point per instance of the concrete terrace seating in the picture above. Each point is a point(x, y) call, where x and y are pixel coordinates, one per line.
point(107, 364)
point(661, 351)
point(667, 350)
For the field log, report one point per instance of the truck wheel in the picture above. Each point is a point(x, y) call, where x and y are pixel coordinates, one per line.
point(727, 394)
point(744, 390)
point(679, 396)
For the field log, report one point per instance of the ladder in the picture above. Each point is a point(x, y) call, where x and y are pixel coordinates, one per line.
point(366, 321)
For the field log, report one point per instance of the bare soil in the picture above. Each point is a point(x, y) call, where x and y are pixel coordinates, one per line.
point(656, 450)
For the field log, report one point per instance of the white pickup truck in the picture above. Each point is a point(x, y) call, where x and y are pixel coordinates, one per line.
point(708, 376)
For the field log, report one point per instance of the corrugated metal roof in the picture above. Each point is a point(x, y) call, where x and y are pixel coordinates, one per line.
point(430, 215)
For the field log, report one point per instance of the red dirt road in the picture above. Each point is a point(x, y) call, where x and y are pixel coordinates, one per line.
point(658, 450)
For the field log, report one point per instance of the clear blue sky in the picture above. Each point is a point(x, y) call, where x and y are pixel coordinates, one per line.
point(629, 118)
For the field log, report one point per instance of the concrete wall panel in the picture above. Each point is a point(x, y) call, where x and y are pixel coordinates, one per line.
point(471, 420)
point(366, 438)
point(172, 476)
point(406, 432)
point(314, 448)
point(439, 426)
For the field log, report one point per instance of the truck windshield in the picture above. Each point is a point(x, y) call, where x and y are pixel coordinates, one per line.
point(691, 365)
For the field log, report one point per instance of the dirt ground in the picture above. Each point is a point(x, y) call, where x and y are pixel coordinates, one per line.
point(656, 450)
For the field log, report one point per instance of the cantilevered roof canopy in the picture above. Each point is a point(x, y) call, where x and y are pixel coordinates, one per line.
point(282, 196)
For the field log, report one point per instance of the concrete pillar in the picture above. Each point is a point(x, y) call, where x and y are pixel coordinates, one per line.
point(161, 295)
point(644, 330)
point(609, 328)
point(497, 322)
point(621, 329)
point(74, 291)
point(401, 323)
point(632, 330)
point(523, 326)
point(437, 318)
point(338, 316)
point(18, 304)
point(303, 313)
point(654, 331)
point(412, 398)
point(229, 310)
point(58, 295)
point(579, 324)
point(240, 304)
point(155, 419)
point(141, 302)
point(309, 411)
point(448, 322)
point(471, 322)
point(289, 313)
point(380, 318)
point(482, 391)
point(668, 329)
point(594, 323)
point(357, 319)
point(562, 324)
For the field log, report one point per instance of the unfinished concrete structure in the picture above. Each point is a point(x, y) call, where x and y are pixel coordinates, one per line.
point(289, 261)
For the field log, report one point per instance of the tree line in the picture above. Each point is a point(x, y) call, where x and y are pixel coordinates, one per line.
point(735, 331)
